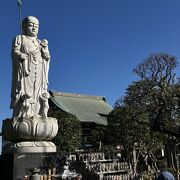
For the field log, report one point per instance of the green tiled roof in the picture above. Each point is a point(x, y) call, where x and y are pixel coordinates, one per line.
point(85, 108)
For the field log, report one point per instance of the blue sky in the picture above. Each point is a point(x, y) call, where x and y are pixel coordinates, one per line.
point(94, 44)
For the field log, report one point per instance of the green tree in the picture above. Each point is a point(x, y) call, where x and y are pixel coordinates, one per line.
point(68, 138)
point(154, 100)
point(157, 93)
point(135, 138)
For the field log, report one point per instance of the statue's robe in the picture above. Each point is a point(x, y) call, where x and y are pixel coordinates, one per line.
point(28, 89)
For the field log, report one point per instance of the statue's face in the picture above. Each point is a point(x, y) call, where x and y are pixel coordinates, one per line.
point(32, 27)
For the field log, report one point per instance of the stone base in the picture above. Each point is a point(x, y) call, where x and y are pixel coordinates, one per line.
point(18, 165)
point(29, 147)
point(20, 129)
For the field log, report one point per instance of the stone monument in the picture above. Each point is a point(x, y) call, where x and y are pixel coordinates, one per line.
point(30, 129)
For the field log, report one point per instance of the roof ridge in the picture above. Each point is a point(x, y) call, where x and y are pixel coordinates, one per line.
point(75, 95)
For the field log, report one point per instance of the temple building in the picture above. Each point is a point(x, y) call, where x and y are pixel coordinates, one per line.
point(90, 110)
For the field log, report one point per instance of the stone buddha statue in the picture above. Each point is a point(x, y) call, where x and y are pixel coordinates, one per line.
point(30, 64)
point(29, 130)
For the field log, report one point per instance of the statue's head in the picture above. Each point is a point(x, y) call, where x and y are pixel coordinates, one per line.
point(30, 26)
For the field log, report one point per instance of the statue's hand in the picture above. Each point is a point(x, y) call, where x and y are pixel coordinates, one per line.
point(24, 56)
point(44, 43)
point(45, 50)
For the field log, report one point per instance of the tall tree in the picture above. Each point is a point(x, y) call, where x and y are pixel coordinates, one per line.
point(152, 104)
point(157, 93)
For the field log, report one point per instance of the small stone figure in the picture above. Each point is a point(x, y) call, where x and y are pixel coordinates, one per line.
point(67, 174)
point(30, 65)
